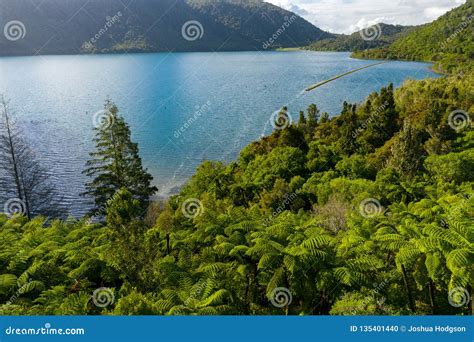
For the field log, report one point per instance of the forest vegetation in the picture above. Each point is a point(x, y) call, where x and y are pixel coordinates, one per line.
point(110, 26)
point(376, 36)
point(368, 212)
point(448, 42)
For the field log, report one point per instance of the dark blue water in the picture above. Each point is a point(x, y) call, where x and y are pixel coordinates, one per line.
point(182, 107)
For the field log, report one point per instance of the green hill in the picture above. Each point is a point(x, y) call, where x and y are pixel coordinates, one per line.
point(448, 41)
point(376, 36)
point(108, 26)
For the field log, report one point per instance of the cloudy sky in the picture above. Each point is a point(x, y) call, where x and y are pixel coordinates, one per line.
point(347, 16)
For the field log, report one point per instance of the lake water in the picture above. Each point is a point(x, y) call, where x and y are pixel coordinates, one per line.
point(183, 108)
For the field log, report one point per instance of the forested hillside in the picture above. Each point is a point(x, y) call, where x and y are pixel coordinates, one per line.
point(371, 212)
point(448, 41)
point(108, 26)
point(376, 36)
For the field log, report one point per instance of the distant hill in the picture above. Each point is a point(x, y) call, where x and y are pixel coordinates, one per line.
point(376, 36)
point(448, 41)
point(108, 26)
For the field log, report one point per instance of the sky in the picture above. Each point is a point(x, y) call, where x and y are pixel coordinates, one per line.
point(348, 16)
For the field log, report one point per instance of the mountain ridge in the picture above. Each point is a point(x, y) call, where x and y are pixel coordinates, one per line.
point(107, 26)
point(447, 41)
point(379, 35)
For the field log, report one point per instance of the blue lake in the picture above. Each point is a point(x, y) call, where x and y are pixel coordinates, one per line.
point(183, 108)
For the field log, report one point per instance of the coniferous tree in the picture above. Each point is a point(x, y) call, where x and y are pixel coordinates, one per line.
point(126, 251)
point(302, 119)
point(381, 118)
point(324, 118)
point(116, 164)
point(407, 152)
point(348, 143)
point(313, 116)
point(24, 182)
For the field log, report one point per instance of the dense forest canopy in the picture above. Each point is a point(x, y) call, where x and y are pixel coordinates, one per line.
point(324, 216)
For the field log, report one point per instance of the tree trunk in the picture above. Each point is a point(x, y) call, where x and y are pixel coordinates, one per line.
point(247, 295)
point(12, 152)
point(168, 247)
point(118, 158)
point(26, 199)
point(432, 289)
point(470, 306)
point(407, 289)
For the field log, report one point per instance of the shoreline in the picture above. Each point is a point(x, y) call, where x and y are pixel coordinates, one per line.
point(148, 52)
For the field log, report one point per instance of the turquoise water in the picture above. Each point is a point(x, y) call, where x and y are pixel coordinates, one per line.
point(183, 108)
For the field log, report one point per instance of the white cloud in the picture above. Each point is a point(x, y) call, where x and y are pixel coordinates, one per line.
point(346, 16)
point(363, 23)
point(298, 10)
point(435, 12)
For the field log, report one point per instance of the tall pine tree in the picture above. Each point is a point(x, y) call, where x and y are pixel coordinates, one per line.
point(116, 164)
point(347, 144)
